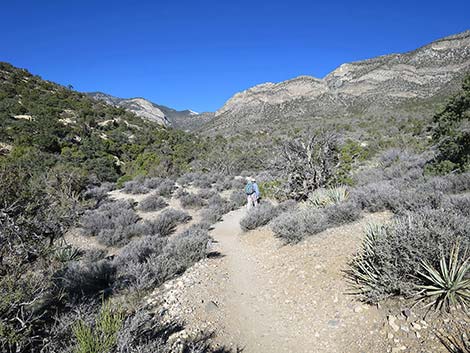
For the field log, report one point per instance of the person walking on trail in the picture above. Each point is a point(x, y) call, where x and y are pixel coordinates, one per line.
point(252, 193)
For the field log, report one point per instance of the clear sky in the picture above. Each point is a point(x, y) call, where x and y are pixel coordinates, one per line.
point(197, 54)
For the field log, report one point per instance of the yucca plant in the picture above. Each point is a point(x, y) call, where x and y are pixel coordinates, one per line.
point(363, 271)
point(66, 252)
point(337, 194)
point(325, 197)
point(449, 285)
point(457, 341)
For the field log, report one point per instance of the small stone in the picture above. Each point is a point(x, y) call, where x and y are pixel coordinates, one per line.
point(333, 323)
point(211, 306)
point(358, 309)
point(407, 312)
point(405, 328)
point(416, 326)
point(390, 335)
point(418, 335)
point(392, 324)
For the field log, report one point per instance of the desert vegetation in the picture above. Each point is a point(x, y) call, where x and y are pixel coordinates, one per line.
point(62, 169)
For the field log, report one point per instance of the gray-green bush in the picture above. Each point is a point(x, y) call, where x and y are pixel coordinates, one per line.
point(152, 203)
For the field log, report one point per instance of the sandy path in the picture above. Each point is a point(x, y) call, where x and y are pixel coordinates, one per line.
point(265, 297)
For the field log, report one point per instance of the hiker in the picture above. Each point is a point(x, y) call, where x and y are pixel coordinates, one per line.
point(252, 193)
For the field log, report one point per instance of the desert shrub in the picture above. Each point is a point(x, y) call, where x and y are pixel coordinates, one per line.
point(121, 235)
point(153, 183)
point(258, 216)
point(100, 192)
point(376, 197)
point(139, 250)
point(188, 247)
point(460, 203)
point(81, 279)
point(223, 183)
point(294, 224)
point(165, 188)
point(180, 193)
point(205, 193)
point(341, 213)
point(166, 222)
point(131, 263)
point(397, 254)
point(101, 336)
point(152, 203)
point(113, 223)
point(211, 215)
point(289, 226)
point(238, 183)
point(60, 333)
point(191, 201)
point(108, 216)
point(203, 181)
point(135, 186)
point(217, 201)
point(149, 261)
point(286, 205)
point(145, 332)
point(450, 183)
point(238, 198)
point(186, 179)
point(93, 255)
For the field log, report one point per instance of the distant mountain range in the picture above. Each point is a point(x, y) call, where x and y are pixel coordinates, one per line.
point(412, 84)
point(185, 119)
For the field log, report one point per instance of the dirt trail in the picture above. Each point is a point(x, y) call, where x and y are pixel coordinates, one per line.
point(265, 297)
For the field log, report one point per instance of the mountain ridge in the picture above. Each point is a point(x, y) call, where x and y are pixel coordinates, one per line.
point(163, 115)
point(381, 85)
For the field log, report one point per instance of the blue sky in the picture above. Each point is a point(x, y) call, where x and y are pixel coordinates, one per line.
point(197, 54)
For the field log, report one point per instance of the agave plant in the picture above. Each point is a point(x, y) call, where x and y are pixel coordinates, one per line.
point(449, 285)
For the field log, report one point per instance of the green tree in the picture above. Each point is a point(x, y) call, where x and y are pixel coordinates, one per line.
point(451, 132)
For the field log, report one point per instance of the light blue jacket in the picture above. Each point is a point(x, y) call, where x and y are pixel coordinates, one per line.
point(256, 189)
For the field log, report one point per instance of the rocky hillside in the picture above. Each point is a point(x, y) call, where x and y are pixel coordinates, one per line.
point(184, 119)
point(401, 85)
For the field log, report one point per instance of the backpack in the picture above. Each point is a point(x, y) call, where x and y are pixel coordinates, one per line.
point(249, 189)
